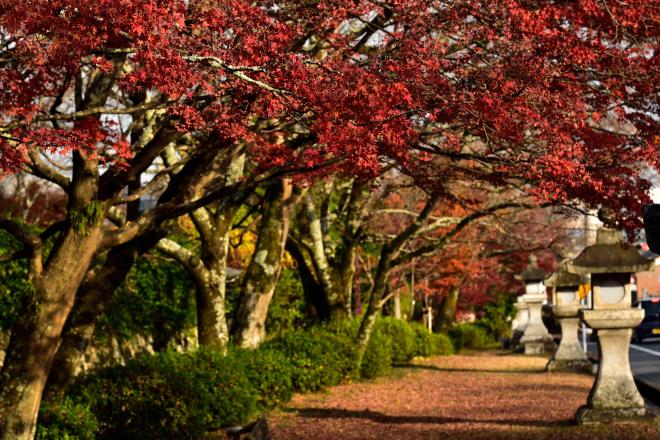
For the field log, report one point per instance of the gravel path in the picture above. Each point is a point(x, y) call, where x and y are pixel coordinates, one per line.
point(480, 396)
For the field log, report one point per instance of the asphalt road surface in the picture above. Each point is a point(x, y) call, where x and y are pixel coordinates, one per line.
point(645, 361)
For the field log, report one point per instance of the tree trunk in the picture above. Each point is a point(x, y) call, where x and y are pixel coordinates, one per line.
point(209, 271)
point(314, 294)
point(374, 305)
point(36, 336)
point(249, 327)
point(317, 249)
point(91, 302)
point(209, 292)
point(345, 281)
point(387, 259)
point(212, 327)
point(397, 304)
point(448, 310)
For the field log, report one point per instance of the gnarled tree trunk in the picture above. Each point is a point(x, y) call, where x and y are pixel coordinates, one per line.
point(36, 335)
point(91, 302)
point(249, 326)
point(209, 270)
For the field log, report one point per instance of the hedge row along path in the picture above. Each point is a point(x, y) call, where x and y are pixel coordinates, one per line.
point(478, 396)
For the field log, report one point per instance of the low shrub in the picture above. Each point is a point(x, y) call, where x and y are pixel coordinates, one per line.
point(66, 420)
point(319, 358)
point(168, 395)
point(184, 396)
point(430, 344)
point(401, 336)
point(377, 359)
point(469, 336)
point(441, 344)
point(270, 373)
point(423, 343)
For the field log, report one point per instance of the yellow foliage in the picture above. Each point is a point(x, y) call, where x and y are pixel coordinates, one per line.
point(244, 242)
point(584, 290)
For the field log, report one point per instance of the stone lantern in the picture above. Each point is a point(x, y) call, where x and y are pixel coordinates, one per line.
point(569, 356)
point(614, 395)
point(535, 337)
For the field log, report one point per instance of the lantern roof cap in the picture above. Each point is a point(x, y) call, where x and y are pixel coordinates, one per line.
point(563, 278)
point(533, 272)
point(609, 255)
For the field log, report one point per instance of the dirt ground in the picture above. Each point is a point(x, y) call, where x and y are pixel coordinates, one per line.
point(478, 396)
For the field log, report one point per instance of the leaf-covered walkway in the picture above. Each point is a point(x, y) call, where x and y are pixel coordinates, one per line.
point(481, 396)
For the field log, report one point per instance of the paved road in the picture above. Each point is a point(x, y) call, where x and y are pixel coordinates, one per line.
point(644, 360)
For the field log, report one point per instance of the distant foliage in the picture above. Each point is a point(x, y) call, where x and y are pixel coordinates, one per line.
point(497, 317)
point(14, 286)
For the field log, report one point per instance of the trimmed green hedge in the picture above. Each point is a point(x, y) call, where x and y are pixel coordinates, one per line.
point(319, 357)
point(183, 396)
point(168, 395)
point(402, 338)
point(470, 336)
point(431, 344)
point(377, 359)
point(66, 420)
point(271, 374)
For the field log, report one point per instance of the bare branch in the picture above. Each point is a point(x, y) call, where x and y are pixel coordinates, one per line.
point(40, 169)
point(442, 241)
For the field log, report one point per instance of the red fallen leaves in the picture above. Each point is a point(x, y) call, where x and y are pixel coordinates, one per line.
point(486, 396)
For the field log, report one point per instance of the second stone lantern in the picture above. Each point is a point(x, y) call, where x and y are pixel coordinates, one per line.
point(614, 395)
point(536, 338)
point(519, 323)
point(569, 356)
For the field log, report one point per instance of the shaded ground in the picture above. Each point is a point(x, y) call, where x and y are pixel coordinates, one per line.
point(481, 396)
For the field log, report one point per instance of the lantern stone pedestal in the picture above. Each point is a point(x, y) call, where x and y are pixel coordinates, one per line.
point(519, 323)
point(536, 337)
point(614, 395)
point(569, 356)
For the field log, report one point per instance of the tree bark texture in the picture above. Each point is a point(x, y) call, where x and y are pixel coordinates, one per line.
point(249, 327)
point(448, 309)
point(327, 270)
point(35, 337)
point(91, 302)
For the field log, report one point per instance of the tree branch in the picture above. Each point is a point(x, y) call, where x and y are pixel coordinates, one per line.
point(187, 258)
point(438, 244)
point(31, 241)
point(40, 169)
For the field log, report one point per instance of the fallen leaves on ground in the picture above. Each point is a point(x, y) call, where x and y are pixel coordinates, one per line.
point(479, 396)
